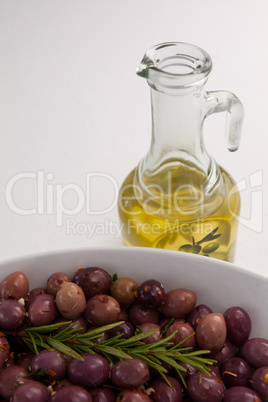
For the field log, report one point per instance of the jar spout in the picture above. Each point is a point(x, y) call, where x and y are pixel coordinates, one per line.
point(144, 67)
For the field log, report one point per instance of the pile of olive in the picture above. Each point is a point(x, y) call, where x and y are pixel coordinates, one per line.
point(92, 299)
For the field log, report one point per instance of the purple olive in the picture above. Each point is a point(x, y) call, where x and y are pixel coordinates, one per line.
point(235, 372)
point(12, 314)
point(31, 296)
point(132, 395)
point(211, 332)
point(10, 378)
point(227, 351)
point(43, 310)
point(14, 286)
point(151, 293)
point(4, 350)
point(31, 391)
point(179, 302)
point(56, 280)
point(101, 310)
point(102, 395)
point(70, 300)
point(93, 281)
point(183, 331)
point(255, 352)
point(92, 372)
point(51, 360)
point(163, 392)
point(259, 382)
point(139, 314)
point(197, 313)
point(130, 373)
point(238, 324)
point(203, 387)
point(70, 393)
point(126, 330)
point(152, 338)
point(240, 394)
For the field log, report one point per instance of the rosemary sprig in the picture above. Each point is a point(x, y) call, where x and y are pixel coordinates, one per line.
point(70, 342)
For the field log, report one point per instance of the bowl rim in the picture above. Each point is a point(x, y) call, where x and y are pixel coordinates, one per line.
point(183, 256)
point(218, 284)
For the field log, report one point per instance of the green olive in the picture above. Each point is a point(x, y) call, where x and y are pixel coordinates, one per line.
point(185, 247)
point(209, 248)
point(124, 290)
point(167, 241)
point(195, 249)
point(189, 248)
point(162, 242)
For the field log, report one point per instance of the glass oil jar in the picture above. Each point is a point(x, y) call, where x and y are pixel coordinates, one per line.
point(178, 197)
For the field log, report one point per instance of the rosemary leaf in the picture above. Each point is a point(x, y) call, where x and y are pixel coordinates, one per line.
point(82, 349)
point(64, 349)
point(149, 361)
point(150, 351)
point(134, 339)
point(166, 379)
point(115, 277)
point(164, 341)
point(192, 362)
point(112, 351)
point(108, 358)
point(34, 344)
point(42, 344)
point(154, 359)
point(47, 328)
point(112, 340)
point(185, 350)
point(203, 360)
point(66, 337)
point(29, 344)
point(171, 362)
point(166, 326)
point(95, 333)
point(67, 333)
point(198, 352)
point(40, 340)
point(85, 341)
point(180, 343)
point(181, 377)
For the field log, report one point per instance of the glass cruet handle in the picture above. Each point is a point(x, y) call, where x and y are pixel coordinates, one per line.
point(224, 101)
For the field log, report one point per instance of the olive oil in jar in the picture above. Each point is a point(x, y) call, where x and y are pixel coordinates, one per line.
point(171, 223)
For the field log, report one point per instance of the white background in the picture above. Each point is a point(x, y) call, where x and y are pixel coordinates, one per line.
point(72, 106)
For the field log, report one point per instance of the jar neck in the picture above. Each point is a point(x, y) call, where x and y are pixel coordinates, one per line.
point(177, 129)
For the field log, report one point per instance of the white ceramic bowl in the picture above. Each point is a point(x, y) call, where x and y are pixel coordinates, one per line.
point(218, 284)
